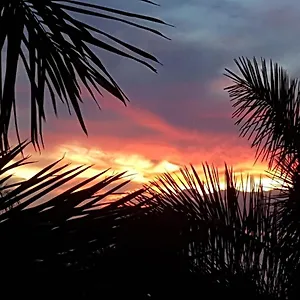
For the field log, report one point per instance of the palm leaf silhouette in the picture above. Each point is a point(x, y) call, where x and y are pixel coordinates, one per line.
point(266, 102)
point(288, 210)
point(205, 240)
point(64, 235)
point(56, 50)
point(267, 110)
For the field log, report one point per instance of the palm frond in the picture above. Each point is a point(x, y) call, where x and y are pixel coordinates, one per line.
point(64, 234)
point(266, 102)
point(288, 223)
point(226, 239)
point(57, 51)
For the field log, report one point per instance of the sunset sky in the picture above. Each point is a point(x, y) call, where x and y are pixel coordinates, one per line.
point(180, 115)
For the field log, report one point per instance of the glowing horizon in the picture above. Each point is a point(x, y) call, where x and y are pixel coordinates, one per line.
point(139, 169)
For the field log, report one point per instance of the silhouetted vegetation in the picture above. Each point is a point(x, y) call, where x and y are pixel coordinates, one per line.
point(178, 237)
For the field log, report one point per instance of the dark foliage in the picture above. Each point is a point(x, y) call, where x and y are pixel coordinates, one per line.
point(226, 238)
point(164, 242)
point(267, 110)
point(47, 246)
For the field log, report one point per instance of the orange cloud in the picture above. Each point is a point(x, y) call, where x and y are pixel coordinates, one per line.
point(144, 162)
point(145, 155)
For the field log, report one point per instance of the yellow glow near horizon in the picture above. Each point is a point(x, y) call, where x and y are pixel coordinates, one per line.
point(140, 169)
point(28, 171)
point(24, 172)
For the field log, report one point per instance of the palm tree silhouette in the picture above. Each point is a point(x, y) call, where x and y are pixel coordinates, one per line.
point(223, 243)
point(267, 110)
